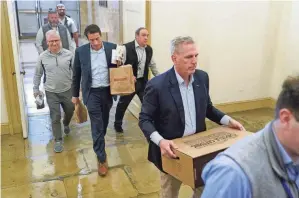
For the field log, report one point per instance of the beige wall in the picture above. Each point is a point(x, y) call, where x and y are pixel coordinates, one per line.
point(232, 41)
point(248, 48)
point(108, 20)
point(133, 18)
point(4, 115)
point(286, 55)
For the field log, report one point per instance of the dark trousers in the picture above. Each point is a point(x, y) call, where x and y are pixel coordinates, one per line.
point(124, 101)
point(99, 104)
point(54, 101)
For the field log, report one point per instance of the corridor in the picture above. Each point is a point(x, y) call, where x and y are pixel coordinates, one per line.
point(30, 168)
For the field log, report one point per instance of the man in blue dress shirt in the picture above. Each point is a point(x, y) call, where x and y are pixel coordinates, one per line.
point(266, 164)
point(91, 70)
point(176, 104)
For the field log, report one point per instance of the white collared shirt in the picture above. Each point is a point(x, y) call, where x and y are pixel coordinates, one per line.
point(141, 55)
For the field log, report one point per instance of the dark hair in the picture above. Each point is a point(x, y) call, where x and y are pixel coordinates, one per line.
point(289, 97)
point(137, 32)
point(91, 29)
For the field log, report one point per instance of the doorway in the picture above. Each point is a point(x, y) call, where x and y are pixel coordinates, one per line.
point(31, 15)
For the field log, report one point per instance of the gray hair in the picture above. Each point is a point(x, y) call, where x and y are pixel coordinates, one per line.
point(60, 5)
point(177, 41)
point(52, 33)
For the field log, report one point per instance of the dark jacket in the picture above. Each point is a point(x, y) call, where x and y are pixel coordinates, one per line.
point(132, 58)
point(163, 111)
point(82, 68)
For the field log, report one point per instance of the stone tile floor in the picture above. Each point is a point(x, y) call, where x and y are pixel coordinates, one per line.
point(30, 168)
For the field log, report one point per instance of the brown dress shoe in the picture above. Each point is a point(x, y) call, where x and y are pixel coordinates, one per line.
point(102, 168)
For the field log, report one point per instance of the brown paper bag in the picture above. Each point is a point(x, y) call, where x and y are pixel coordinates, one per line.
point(122, 80)
point(80, 113)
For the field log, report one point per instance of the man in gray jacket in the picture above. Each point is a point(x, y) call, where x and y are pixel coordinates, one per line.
point(266, 164)
point(53, 24)
point(56, 65)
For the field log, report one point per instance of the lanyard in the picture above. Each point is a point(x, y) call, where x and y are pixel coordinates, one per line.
point(286, 188)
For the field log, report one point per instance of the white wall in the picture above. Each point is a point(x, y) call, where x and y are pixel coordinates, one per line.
point(286, 57)
point(235, 40)
point(4, 115)
point(133, 18)
point(108, 20)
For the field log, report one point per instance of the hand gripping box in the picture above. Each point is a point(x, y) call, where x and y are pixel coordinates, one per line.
point(195, 151)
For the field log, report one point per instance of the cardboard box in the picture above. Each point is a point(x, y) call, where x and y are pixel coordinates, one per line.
point(196, 150)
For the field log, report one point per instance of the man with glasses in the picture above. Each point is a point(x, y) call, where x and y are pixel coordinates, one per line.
point(53, 24)
point(140, 55)
point(56, 65)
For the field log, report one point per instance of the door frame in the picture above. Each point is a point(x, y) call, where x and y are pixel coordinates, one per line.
point(9, 74)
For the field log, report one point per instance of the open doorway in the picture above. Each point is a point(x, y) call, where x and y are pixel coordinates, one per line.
point(25, 21)
point(30, 16)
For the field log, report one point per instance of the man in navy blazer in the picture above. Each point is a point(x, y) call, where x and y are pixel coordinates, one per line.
point(176, 104)
point(91, 65)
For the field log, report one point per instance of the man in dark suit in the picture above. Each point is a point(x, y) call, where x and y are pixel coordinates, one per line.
point(91, 65)
point(140, 55)
point(176, 104)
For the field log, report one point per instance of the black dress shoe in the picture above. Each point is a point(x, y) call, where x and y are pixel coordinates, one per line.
point(118, 129)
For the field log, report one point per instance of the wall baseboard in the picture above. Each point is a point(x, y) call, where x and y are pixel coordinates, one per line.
point(4, 128)
point(229, 107)
point(246, 105)
point(135, 107)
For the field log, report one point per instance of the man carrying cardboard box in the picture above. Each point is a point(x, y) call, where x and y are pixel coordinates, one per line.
point(265, 164)
point(176, 104)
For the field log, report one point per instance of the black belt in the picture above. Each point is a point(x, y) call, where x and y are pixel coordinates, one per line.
point(101, 88)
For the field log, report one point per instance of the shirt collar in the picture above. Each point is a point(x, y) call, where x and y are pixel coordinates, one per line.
point(137, 45)
point(287, 160)
point(180, 79)
point(99, 51)
point(58, 53)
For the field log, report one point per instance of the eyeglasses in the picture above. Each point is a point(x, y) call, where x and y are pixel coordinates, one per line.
point(54, 41)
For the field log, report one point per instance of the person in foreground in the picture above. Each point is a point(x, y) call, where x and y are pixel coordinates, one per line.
point(176, 104)
point(92, 63)
point(263, 165)
point(56, 65)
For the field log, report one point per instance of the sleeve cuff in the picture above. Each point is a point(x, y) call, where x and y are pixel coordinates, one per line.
point(225, 120)
point(156, 137)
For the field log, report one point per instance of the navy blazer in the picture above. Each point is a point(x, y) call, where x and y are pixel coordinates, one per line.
point(82, 68)
point(163, 111)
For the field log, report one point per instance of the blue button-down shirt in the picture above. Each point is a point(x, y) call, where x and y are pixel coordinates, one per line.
point(224, 178)
point(292, 168)
point(187, 94)
point(99, 68)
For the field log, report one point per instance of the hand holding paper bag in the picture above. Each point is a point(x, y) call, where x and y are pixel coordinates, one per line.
point(122, 80)
point(80, 112)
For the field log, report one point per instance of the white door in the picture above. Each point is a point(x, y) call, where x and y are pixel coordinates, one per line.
point(19, 72)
